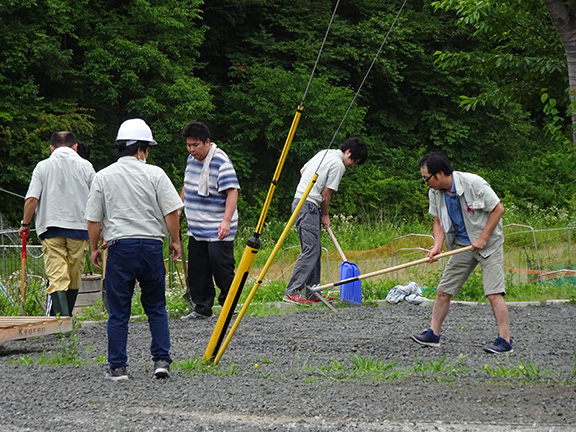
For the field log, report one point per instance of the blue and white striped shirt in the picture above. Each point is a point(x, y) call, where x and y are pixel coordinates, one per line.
point(205, 214)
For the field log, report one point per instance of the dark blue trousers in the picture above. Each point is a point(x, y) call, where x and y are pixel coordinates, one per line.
point(130, 260)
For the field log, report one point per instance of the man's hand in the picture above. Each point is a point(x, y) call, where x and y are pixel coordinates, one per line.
point(96, 258)
point(174, 249)
point(325, 221)
point(29, 209)
point(223, 230)
point(24, 229)
point(479, 243)
point(433, 252)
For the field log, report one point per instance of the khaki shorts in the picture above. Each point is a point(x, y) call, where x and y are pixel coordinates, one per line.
point(461, 265)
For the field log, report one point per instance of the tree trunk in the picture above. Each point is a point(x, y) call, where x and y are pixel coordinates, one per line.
point(564, 19)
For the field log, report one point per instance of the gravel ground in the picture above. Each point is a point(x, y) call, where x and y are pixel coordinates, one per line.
point(287, 373)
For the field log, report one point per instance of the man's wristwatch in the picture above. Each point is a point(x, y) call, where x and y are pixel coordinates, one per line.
point(24, 224)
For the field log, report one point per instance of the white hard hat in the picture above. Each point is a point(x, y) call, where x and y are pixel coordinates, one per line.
point(135, 130)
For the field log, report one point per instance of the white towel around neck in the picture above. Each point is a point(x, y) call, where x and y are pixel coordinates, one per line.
point(203, 181)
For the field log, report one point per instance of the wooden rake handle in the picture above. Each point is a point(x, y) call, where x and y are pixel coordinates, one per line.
point(104, 261)
point(184, 262)
point(390, 269)
point(338, 248)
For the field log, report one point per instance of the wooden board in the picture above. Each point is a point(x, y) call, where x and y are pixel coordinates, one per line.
point(22, 327)
point(90, 292)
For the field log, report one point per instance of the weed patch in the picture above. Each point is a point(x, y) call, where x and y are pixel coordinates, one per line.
point(197, 366)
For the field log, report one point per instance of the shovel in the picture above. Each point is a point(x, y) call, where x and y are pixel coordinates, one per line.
point(350, 293)
point(23, 277)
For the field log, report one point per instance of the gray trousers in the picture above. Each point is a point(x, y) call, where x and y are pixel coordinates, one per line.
point(307, 268)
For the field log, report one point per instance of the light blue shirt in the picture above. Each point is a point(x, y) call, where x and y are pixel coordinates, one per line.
point(455, 213)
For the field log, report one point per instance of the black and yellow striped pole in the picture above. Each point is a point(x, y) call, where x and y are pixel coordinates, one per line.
point(265, 269)
point(252, 247)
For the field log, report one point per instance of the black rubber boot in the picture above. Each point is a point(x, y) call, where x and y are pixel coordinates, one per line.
point(60, 303)
point(71, 296)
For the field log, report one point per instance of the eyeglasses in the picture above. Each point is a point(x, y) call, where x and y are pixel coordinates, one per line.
point(425, 180)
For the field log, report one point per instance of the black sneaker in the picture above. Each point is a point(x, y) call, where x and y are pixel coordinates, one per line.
point(116, 374)
point(427, 338)
point(161, 369)
point(499, 346)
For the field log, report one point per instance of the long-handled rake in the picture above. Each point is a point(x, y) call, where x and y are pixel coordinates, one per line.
point(388, 270)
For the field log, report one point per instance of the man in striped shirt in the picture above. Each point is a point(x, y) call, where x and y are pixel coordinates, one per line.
point(210, 194)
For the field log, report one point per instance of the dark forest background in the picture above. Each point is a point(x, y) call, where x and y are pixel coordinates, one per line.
point(488, 87)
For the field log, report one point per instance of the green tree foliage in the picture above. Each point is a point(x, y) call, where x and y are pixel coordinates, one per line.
point(514, 54)
point(33, 66)
point(138, 59)
point(269, 51)
point(86, 66)
point(242, 67)
point(514, 49)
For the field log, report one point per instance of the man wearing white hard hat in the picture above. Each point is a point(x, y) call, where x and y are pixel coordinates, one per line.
point(137, 207)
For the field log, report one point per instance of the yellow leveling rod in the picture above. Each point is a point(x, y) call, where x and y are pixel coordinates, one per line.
point(265, 269)
point(252, 246)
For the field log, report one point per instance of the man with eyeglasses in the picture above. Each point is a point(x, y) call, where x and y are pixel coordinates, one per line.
point(466, 212)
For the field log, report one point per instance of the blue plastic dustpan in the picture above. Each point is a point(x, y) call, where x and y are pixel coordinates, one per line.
point(351, 292)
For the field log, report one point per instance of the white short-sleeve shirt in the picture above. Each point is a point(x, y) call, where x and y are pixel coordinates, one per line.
point(131, 199)
point(330, 167)
point(61, 184)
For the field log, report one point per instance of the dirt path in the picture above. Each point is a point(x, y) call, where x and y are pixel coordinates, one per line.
point(292, 372)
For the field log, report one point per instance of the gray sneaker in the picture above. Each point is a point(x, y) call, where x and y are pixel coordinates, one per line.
point(116, 374)
point(194, 316)
point(161, 369)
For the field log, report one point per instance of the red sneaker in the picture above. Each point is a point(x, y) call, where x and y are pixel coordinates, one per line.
point(316, 299)
point(298, 299)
